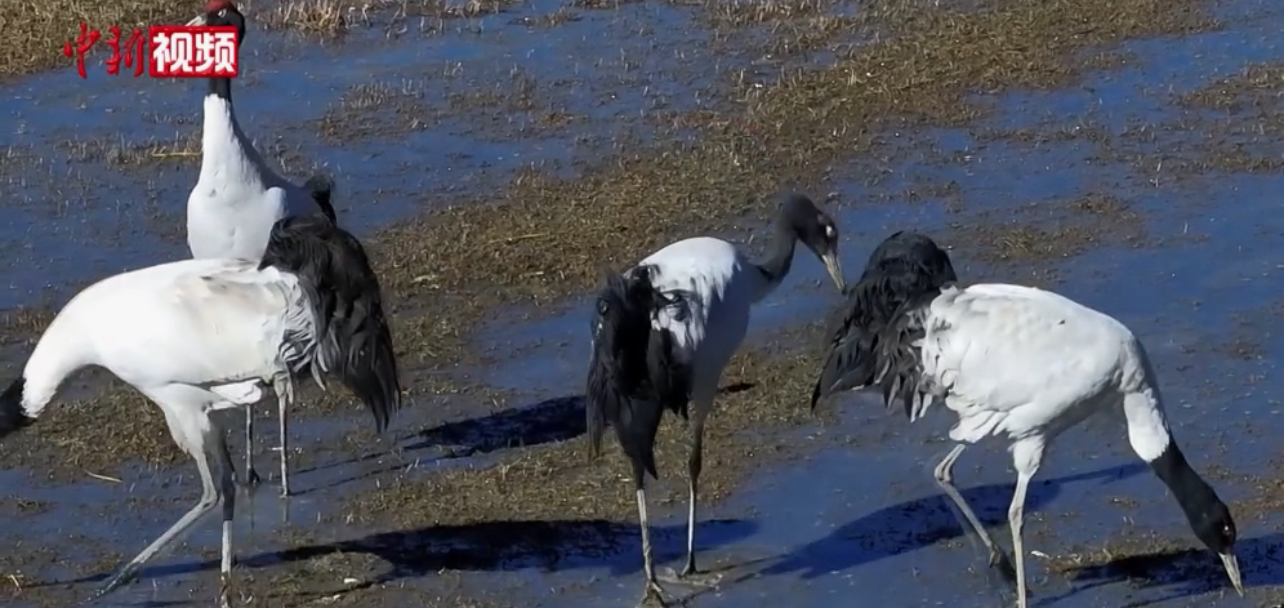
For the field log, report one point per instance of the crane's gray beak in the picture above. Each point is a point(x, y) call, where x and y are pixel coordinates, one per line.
point(834, 269)
point(199, 20)
point(1232, 569)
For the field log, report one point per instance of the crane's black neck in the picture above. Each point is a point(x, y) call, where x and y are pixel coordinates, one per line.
point(221, 88)
point(1197, 499)
point(780, 254)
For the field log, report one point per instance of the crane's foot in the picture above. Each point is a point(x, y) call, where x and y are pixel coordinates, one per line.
point(251, 480)
point(656, 596)
point(225, 592)
point(126, 575)
point(999, 561)
point(690, 577)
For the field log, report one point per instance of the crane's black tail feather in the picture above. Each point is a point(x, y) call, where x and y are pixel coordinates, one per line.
point(903, 267)
point(635, 373)
point(321, 186)
point(897, 366)
point(12, 415)
point(352, 337)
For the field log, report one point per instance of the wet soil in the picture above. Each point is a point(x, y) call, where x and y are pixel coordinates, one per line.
point(1118, 152)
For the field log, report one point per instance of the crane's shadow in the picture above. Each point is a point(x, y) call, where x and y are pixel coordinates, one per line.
point(920, 523)
point(549, 421)
point(494, 546)
point(1182, 573)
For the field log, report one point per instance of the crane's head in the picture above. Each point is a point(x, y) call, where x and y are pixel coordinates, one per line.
point(817, 231)
point(1214, 526)
point(221, 13)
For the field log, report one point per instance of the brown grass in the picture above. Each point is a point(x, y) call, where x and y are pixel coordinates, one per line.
point(747, 12)
point(181, 148)
point(394, 109)
point(1255, 86)
point(380, 109)
point(325, 18)
point(1053, 229)
point(553, 19)
point(37, 29)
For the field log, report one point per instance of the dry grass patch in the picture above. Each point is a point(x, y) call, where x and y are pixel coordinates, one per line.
point(553, 19)
point(79, 437)
point(749, 12)
point(1053, 229)
point(181, 148)
point(380, 109)
point(326, 18)
point(1255, 86)
point(444, 9)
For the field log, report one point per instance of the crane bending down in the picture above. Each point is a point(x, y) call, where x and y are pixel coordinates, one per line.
point(664, 331)
point(196, 336)
point(238, 197)
point(1029, 364)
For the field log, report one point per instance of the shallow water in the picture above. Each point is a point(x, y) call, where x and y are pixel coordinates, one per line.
point(861, 518)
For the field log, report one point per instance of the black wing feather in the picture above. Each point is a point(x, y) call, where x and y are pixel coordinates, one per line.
point(352, 333)
point(899, 367)
point(904, 266)
point(636, 372)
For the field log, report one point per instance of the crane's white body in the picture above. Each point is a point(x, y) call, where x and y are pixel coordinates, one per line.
point(718, 285)
point(212, 329)
point(237, 197)
point(1029, 364)
point(193, 336)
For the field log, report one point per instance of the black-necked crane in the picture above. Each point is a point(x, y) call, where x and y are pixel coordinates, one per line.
point(196, 336)
point(1026, 364)
point(238, 197)
point(662, 334)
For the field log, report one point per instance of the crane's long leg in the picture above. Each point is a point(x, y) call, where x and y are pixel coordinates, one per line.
point(653, 589)
point(194, 444)
point(1027, 456)
point(284, 396)
point(251, 476)
point(689, 575)
point(1016, 515)
point(227, 482)
point(944, 478)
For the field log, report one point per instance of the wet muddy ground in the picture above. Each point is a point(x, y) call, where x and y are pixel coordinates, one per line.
point(497, 157)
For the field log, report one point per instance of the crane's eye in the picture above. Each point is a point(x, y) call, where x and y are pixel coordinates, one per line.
point(602, 307)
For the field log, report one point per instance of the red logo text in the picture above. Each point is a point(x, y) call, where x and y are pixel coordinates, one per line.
point(167, 51)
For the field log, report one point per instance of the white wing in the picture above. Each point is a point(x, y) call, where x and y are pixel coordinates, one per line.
point(198, 322)
point(1010, 358)
point(701, 271)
